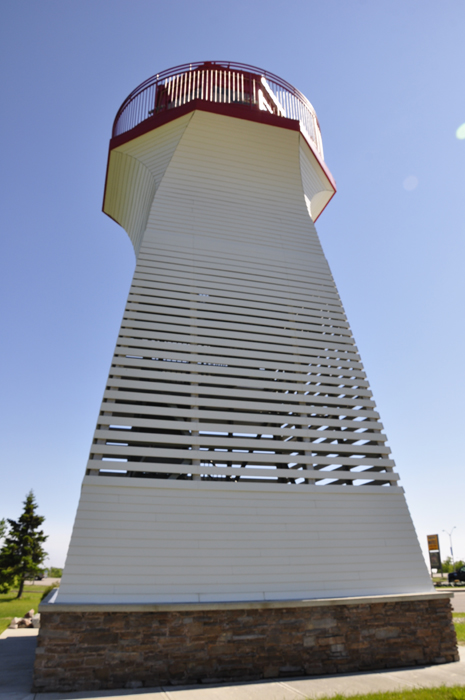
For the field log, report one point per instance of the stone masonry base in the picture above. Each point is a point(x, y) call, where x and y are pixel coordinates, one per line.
point(101, 647)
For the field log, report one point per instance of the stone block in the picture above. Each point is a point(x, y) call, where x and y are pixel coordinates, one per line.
point(387, 633)
point(106, 650)
point(24, 622)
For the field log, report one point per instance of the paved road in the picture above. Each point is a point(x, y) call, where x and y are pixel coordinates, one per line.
point(44, 582)
point(458, 601)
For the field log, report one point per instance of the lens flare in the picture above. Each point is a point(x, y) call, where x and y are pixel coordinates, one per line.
point(410, 183)
point(460, 133)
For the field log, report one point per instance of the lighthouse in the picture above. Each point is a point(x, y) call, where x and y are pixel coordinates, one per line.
point(239, 478)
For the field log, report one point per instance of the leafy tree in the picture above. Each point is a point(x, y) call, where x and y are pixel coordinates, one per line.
point(448, 567)
point(22, 552)
point(3, 528)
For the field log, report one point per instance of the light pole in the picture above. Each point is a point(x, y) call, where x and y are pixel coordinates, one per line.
point(451, 550)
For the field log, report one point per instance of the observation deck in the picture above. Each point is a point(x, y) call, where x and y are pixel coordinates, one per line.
point(220, 87)
point(257, 93)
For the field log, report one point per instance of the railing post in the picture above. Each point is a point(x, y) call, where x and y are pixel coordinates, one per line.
point(230, 83)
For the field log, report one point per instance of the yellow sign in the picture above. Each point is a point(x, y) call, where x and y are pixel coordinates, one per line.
point(433, 543)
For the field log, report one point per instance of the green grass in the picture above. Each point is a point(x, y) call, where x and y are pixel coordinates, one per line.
point(459, 622)
point(456, 692)
point(460, 630)
point(10, 607)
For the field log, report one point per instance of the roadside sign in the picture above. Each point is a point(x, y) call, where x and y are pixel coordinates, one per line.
point(434, 553)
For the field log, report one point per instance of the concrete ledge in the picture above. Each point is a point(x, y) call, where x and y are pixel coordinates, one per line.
point(49, 605)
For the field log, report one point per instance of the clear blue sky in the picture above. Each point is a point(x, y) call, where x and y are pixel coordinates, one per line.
point(387, 81)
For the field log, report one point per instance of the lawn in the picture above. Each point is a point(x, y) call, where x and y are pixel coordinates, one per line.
point(10, 607)
point(459, 622)
point(456, 692)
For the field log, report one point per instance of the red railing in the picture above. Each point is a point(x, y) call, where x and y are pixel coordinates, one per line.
point(218, 81)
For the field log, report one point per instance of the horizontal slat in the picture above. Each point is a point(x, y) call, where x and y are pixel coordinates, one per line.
point(177, 332)
point(222, 376)
point(228, 323)
point(236, 299)
point(222, 273)
point(230, 419)
point(221, 351)
point(206, 312)
point(370, 431)
point(164, 301)
point(199, 366)
point(248, 472)
point(234, 456)
point(310, 292)
point(306, 397)
point(287, 411)
point(213, 441)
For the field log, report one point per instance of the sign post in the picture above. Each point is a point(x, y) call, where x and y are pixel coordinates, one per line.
point(434, 553)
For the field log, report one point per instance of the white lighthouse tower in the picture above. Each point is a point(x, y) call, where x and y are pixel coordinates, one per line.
point(239, 462)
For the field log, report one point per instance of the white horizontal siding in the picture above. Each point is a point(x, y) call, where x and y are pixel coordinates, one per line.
point(175, 543)
point(317, 189)
point(134, 173)
point(129, 195)
point(248, 459)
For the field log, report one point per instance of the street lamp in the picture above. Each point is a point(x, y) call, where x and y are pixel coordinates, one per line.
point(450, 542)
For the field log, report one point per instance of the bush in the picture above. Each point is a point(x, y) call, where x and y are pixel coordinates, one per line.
point(55, 572)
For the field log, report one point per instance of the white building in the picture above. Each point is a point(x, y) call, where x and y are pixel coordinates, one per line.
point(238, 454)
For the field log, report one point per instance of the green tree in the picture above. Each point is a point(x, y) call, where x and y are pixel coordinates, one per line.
point(22, 552)
point(448, 567)
point(4, 578)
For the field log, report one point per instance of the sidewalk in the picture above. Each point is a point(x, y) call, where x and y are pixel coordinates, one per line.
point(17, 649)
point(448, 674)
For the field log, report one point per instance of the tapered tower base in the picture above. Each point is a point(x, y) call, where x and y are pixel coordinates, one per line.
point(133, 646)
